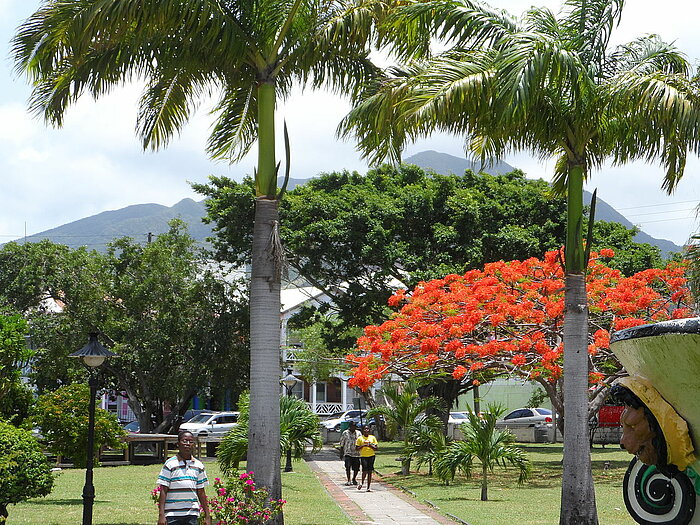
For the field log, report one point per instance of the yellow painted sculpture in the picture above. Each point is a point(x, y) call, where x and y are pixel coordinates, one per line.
point(660, 420)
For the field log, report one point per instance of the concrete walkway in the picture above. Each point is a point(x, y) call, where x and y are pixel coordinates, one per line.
point(385, 505)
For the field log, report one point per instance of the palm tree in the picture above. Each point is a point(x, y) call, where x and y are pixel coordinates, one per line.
point(249, 53)
point(427, 441)
point(407, 416)
point(482, 441)
point(550, 85)
point(299, 429)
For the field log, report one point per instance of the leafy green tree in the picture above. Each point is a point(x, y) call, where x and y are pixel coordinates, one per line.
point(37, 280)
point(357, 237)
point(692, 253)
point(14, 353)
point(251, 54)
point(407, 415)
point(299, 427)
point(62, 416)
point(24, 469)
point(551, 85)
point(178, 325)
point(485, 443)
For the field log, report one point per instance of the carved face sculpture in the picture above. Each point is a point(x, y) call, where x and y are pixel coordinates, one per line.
point(637, 435)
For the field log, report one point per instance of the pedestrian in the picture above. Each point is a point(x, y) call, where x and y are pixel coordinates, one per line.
point(367, 446)
point(182, 480)
point(351, 455)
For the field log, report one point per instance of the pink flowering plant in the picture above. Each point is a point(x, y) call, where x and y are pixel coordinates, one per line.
point(239, 501)
point(155, 495)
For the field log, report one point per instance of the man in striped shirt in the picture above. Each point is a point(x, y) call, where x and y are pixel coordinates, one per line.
point(182, 480)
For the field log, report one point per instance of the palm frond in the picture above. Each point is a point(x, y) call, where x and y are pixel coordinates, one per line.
point(648, 55)
point(589, 25)
point(166, 105)
point(235, 130)
point(465, 23)
point(482, 442)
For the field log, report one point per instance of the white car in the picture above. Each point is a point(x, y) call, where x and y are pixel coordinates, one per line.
point(457, 418)
point(525, 418)
point(211, 423)
point(333, 423)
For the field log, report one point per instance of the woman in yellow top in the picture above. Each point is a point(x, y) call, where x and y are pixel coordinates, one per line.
point(367, 445)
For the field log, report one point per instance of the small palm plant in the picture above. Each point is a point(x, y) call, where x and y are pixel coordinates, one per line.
point(483, 442)
point(407, 415)
point(299, 428)
point(427, 443)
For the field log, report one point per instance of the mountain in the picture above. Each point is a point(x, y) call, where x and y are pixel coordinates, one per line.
point(135, 221)
point(446, 164)
point(139, 220)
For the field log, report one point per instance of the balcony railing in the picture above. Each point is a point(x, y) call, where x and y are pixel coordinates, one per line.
point(326, 409)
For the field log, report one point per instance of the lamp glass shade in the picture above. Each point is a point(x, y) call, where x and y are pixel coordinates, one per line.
point(93, 361)
point(289, 381)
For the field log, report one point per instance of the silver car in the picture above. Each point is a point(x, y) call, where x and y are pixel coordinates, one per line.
point(526, 417)
point(211, 423)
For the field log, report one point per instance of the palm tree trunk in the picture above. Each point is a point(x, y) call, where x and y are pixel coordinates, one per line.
point(265, 372)
point(405, 466)
point(578, 505)
point(484, 483)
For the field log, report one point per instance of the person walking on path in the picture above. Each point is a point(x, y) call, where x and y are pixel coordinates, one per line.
point(367, 446)
point(182, 480)
point(351, 456)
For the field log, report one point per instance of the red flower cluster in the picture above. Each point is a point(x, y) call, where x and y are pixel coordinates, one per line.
point(509, 318)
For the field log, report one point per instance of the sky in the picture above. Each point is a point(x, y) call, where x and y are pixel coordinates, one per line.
point(95, 162)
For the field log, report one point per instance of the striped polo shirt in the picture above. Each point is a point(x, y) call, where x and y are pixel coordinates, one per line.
point(183, 478)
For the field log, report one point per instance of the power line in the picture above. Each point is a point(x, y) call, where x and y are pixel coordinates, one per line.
point(666, 220)
point(657, 205)
point(660, 212)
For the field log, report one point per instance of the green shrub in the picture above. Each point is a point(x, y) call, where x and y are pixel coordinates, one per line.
point(63, 418)
point(299, 427)
point(24, 470)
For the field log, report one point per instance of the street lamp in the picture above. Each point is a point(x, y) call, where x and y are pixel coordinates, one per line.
point(93, 355)
point(289, 381)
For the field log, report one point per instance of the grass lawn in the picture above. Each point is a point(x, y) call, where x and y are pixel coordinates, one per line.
point(534, 503)
point(123, 498)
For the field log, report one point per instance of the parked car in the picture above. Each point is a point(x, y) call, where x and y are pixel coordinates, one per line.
point(457, 418)
point(334, 421)
point(526, 417)
point(211, 423)
point(133, 427)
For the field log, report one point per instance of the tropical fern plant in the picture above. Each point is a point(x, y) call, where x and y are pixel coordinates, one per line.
point(484, 443)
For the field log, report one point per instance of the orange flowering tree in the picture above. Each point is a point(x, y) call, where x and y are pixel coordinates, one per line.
point(508, 319)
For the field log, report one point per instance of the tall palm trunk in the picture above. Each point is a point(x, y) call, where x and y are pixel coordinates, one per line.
point(484, 482)
point(578, 505)
point(265, 371)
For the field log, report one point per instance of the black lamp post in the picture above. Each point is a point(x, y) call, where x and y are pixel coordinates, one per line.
point(289, 381)
point(93, 355)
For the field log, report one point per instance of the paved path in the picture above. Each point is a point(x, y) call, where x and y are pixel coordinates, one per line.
point(385, 505)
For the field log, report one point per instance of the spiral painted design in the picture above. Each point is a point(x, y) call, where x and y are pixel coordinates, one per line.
point(652, 498)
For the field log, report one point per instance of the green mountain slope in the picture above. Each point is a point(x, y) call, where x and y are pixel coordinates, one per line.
point(139, 220)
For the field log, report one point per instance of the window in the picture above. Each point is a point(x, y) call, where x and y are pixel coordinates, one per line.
point(320, 392)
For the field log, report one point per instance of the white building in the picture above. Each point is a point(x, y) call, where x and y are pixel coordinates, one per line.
point(323, 397)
